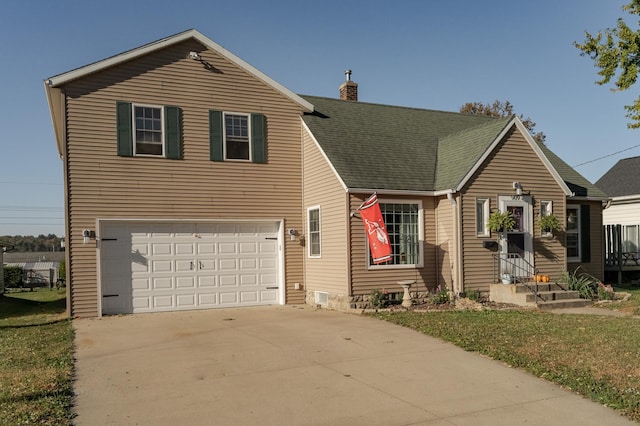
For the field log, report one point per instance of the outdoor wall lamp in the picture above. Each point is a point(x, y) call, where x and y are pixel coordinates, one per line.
point(196, 57)
point(292, 234)
point(517, 187)
point(87, 235)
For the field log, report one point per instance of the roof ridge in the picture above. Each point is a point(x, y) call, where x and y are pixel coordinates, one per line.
point(397, 106)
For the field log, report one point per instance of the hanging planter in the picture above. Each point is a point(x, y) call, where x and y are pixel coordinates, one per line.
point(500, 221)
point(549, 223)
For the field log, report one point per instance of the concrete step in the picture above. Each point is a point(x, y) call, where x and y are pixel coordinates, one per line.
point(567, 303)
point(549, 296)
point(529, 286)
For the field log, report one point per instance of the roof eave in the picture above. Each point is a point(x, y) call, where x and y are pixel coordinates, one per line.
point(62, 79)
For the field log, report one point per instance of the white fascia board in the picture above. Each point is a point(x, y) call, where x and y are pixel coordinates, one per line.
point(515, 121)
point(64, 78)
point(324, 155)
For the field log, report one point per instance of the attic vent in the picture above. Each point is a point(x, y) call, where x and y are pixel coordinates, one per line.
point(322, 298)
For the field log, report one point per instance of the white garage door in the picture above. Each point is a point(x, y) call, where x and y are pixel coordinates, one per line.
point(152, 267)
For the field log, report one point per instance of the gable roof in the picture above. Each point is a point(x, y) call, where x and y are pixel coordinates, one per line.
point(62, 79)
point(384, 147)
point(434, 151)
point(622, 179)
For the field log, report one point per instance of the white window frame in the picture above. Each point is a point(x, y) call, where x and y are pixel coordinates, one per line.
point(546, 208)
point(224, 135)
point(135, 129)
point(420, 264)
point(482, 216)
point(318, 232)
point(575, 231)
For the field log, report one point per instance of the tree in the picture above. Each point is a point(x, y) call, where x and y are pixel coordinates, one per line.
point(617, 53)
point(502, 109)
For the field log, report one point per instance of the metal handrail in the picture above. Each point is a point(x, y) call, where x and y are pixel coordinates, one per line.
point(522, 271)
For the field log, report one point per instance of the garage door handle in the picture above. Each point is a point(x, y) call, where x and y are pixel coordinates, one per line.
point(272, 288)
point(110, 295)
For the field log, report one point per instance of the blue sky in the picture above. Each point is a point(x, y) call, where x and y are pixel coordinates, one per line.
point(423, 53)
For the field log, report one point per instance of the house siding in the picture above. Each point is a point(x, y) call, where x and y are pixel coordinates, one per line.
point(330, 272)
point(364, 280)
point(622, 214)
point(513, 160)
point(445, 242)
point(101, 184)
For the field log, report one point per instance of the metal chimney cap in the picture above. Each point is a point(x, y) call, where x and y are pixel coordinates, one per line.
point(348, 74)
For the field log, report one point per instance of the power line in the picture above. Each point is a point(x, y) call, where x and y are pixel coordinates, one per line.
point(31, 183)
point(606, 156)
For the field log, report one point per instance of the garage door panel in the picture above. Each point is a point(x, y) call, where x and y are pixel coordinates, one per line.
point(207, 281)
point(186, 300)
point(160, 249)
point(147, 267)
point(248, 296)
point(208, 300)
point(161, 283)
point(227, 248)
point(228, 281)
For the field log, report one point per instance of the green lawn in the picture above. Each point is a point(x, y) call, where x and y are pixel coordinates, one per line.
point(36, 359)
point(596, 356)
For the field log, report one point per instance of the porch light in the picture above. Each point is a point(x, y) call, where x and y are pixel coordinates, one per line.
point(518, 187)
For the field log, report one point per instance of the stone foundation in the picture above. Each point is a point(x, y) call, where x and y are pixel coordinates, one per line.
point(340, 302)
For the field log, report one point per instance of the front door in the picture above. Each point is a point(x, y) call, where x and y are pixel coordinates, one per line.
point(516, 246)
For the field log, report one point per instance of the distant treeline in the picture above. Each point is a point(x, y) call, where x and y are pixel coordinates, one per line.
point(28, 243)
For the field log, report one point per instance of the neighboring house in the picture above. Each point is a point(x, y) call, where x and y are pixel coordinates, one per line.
point(38, 268)
point(194, 181)
point(622, 184)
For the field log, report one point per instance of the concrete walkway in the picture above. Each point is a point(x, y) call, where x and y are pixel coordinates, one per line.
point(301, 366)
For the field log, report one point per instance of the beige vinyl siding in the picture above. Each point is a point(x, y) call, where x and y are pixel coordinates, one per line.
point(363, 280)
point(513, 160)
point(445, 246)
point(102, 184)
point(596, 266)
point(330, 272)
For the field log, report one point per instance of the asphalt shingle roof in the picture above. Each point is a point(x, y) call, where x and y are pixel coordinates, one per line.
point(384, 147)
point(388, 147)
point(622, 179)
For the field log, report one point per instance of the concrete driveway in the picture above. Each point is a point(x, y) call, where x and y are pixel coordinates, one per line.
point(300, 366)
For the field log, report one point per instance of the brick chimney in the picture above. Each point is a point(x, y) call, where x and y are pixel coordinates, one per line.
point(349, 89)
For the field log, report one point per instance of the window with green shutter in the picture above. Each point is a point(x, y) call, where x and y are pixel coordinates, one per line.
point(148, 130)
point(237, 137)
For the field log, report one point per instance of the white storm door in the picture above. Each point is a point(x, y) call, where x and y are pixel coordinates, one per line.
point(517, 245)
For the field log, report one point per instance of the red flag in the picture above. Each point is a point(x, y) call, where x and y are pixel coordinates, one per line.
point(375, 229)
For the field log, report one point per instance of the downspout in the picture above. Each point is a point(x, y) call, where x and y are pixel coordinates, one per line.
point(455, 258)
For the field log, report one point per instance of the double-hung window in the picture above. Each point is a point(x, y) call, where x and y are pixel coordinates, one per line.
point(313, 226)
point(573, 234)
point(149, 136)
point(148, 130)
point(237, 136)
point(404, 223)
point(482, 215)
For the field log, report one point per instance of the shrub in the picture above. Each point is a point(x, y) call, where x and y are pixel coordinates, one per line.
point(583, 283)
point(441, 296)
point(379, 298)
point(13, 276)
point(605, 292)
point(473, 295)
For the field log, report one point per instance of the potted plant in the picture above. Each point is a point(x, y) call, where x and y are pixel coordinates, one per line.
point(549, 223)
point(500, 221)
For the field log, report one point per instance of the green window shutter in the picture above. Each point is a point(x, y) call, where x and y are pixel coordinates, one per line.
point(585, 233)
point(216, 152)
point(172, 139)
point(258, 139)
point(124, 129)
